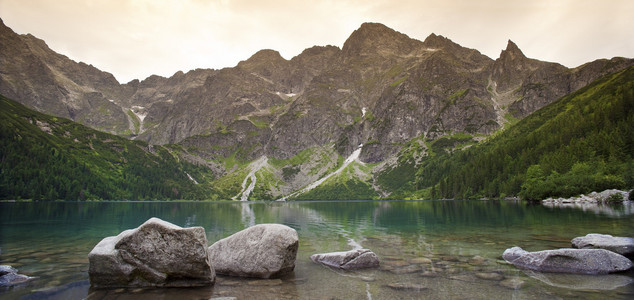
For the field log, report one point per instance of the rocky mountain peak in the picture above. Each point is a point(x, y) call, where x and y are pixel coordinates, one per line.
point(438, 41)
point(375, 38)
point(512, 52)
point(266, 56)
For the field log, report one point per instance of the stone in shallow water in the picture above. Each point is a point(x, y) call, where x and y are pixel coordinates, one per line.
point(157, 253)
point(406, 286)
point(489, 276)
point(262, 251)
point(620, 245)
point(513, 283)
point(477, 260)
point(420, 260)
point(580, 261)
point(407, 270)
point(348, 260)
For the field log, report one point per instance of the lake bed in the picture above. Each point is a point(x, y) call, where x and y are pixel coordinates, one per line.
point(428, 249)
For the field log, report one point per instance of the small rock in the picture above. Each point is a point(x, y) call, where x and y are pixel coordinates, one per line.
point(513, 283)
point(477, 260)
point(396, 263)
point(407, 270)
point(428, 274)
point(420, 260)
point(5, 269)
point(348, 260)
point(9, 276)
point(466, 278)
point(406, 287)
point(489, 276)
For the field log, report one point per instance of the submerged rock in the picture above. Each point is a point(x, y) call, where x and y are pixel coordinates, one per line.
point(580, 261)
point(406, 286)
point(348, 260)
point(157, 253)
point(513, 283)
point(620, 245)
point(263, 251)
point(9, 276)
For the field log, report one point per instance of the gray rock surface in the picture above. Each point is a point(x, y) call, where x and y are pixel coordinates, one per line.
point(348, 260)
point(9, 276)
point(157, 253)
point(620, 245)
point(581, 281)
point(579, 261)
point(263, 251)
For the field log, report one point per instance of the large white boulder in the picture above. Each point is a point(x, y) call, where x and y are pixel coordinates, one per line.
point(577, 261)
point(263, 251)
point(157, 253)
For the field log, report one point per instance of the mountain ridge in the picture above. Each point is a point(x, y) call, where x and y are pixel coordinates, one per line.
point(383, 91)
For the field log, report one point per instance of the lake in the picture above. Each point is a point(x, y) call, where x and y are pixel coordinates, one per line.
point(428, 249)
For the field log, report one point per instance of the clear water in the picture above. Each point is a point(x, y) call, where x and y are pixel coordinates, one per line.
point(428, 249)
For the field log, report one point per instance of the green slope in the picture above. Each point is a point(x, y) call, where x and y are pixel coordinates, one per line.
point(48, 158)
point(580, 143)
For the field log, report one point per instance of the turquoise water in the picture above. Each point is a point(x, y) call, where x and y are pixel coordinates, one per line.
point(428, 249)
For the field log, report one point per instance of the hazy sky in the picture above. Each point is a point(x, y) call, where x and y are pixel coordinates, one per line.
point(138, 38)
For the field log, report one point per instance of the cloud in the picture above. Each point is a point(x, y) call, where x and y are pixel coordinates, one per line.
point(137, 38)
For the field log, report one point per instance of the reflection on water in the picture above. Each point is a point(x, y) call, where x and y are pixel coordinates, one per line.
point(428, 249)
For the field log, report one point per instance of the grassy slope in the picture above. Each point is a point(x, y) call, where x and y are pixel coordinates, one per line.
point(48, 158)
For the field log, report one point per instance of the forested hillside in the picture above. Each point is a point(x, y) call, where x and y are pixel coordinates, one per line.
point(581, 143)
point(44, 157)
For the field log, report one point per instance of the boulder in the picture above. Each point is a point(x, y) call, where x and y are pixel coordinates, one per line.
point(348, 260)
point(263, 251)
point(156, 254)
point(578, 261)
point(620, 245)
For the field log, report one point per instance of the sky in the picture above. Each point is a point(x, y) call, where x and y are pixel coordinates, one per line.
point(133, 39)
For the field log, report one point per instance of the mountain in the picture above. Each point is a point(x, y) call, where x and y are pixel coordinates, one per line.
point(46, 157)
point(582, 142)
point(292, 122)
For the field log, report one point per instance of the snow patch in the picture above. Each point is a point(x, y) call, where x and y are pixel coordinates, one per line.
point(246, 190)
point(139, 112)
point(191, 178)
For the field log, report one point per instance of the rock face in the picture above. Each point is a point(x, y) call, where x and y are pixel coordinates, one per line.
point(157, 253)
point(580, 261)
point(620, 245)
point(9, 276)
point(348, 260)
point(263, 251)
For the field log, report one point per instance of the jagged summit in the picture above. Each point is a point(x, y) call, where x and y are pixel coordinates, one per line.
point(437, 41)
point(512, 52)
point(376, 38)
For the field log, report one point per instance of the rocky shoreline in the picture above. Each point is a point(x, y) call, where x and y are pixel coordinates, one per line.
point(593, 198)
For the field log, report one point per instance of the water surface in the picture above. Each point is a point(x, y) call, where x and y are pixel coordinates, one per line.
point(428, 249)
